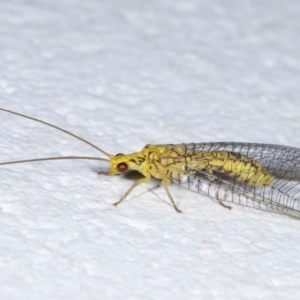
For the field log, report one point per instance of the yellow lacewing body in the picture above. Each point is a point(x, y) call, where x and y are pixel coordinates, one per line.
point(256, 175)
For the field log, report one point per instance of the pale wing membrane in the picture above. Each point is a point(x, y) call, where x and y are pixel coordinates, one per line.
point(282, 195)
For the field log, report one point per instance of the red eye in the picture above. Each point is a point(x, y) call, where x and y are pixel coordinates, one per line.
point(122, 167)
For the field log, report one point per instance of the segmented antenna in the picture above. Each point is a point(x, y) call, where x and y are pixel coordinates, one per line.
point(58, 157)
point(58, 128)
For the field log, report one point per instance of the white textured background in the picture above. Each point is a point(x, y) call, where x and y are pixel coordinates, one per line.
point(123, 74)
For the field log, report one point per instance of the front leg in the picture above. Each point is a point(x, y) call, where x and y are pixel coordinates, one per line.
point(142, 180)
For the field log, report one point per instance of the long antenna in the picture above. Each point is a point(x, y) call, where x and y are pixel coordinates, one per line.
point(58, 128)
point(52, 158)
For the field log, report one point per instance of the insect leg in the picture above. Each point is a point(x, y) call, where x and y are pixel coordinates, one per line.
point(142, 180)
point(219, 200)
point(170, 197)
point(226, 206)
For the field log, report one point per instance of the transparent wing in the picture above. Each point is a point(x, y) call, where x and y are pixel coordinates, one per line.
point(281, 195)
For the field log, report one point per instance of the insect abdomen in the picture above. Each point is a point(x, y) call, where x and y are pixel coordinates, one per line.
point(235, 165)
point(240, 167)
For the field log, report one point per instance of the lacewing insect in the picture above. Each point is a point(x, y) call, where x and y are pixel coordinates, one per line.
point(256, 175)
